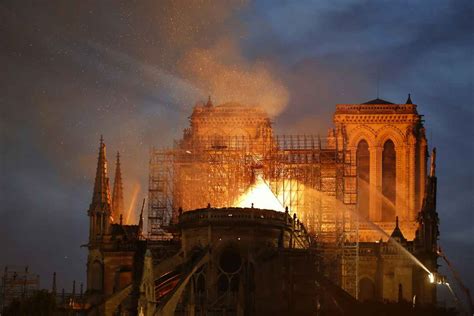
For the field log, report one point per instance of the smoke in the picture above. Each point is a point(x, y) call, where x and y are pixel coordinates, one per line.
point(222, 72)
point(200, 41)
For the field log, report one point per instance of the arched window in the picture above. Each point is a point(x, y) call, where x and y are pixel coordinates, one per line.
point(388, 181)
point(96, 276)
point(363, 178)
point(201, 288)
point(366, 290)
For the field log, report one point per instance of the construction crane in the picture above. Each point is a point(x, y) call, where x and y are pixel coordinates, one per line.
point(459, 281)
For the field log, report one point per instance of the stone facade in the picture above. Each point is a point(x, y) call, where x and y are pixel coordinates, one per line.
point(378, 122)
point(228, 120)
point(262, 261)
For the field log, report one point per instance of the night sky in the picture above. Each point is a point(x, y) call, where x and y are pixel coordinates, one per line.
point(133, 70)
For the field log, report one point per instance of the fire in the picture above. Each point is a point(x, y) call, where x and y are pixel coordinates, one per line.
point(261, 196)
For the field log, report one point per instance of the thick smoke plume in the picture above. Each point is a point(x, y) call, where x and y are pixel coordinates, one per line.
point(201, 44)
point(223, 73)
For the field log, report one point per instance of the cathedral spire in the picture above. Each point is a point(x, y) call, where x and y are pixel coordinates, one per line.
point(101, 195)
point(409, 99)
point(99, 210)
point(117, 195)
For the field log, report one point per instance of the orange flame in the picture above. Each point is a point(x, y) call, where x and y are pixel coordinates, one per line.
point(260, 196)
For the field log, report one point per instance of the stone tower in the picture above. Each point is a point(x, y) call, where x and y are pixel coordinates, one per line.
point(112, 245)
point(99, 212)
point(100, 209)
point(389, 147)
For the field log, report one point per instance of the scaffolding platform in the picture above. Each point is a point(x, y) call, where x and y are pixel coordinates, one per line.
point(314, 179)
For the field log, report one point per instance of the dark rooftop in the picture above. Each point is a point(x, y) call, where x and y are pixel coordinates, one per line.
point(377, 101)
point(129, 231)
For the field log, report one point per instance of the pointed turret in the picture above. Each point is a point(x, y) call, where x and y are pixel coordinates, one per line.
point(209, 102)
point(409, 99)
point(397, 233)
point(100, 207)
point(101, 195)
point(117, 195)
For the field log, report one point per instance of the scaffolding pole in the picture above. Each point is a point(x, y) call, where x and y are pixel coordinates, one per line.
point(314, 181)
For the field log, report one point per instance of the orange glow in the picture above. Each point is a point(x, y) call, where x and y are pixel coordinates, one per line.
point(261, 196)
point(136, 190)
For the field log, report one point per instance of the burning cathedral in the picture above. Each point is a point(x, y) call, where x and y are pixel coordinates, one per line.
point(240, 221)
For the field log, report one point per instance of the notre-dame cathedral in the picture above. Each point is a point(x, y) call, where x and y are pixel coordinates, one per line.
point(353, 218)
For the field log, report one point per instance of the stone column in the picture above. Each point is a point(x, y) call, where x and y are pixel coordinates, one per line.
point(401, 186)
point(411, 177)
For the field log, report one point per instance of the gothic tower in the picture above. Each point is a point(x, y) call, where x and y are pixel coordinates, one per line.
point(388, 144)
point(99, 224)
point(100, 209)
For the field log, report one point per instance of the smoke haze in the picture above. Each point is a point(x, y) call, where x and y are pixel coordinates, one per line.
point(133, 70)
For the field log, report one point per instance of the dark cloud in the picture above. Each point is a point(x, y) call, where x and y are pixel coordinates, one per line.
point(131, 71)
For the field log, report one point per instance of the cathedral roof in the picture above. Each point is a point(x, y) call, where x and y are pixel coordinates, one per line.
point(129, 231)
point(377, 101)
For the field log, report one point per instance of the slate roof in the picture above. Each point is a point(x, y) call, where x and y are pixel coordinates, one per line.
point(377, 101)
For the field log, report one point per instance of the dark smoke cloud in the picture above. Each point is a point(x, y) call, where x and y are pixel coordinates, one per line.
point(133, 70)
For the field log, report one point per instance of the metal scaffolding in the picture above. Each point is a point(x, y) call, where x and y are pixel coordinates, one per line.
point(314, 180)
point(17, 284)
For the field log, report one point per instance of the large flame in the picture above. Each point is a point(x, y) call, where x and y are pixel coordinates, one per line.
point(261, 196)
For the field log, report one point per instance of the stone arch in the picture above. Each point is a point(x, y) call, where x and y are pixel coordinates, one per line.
point(366, 289)
point(239, 132)
point(363, 132)
point(389, 132)
point(230, 259)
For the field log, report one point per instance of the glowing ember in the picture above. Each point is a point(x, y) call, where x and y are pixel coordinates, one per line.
point(260, 196)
